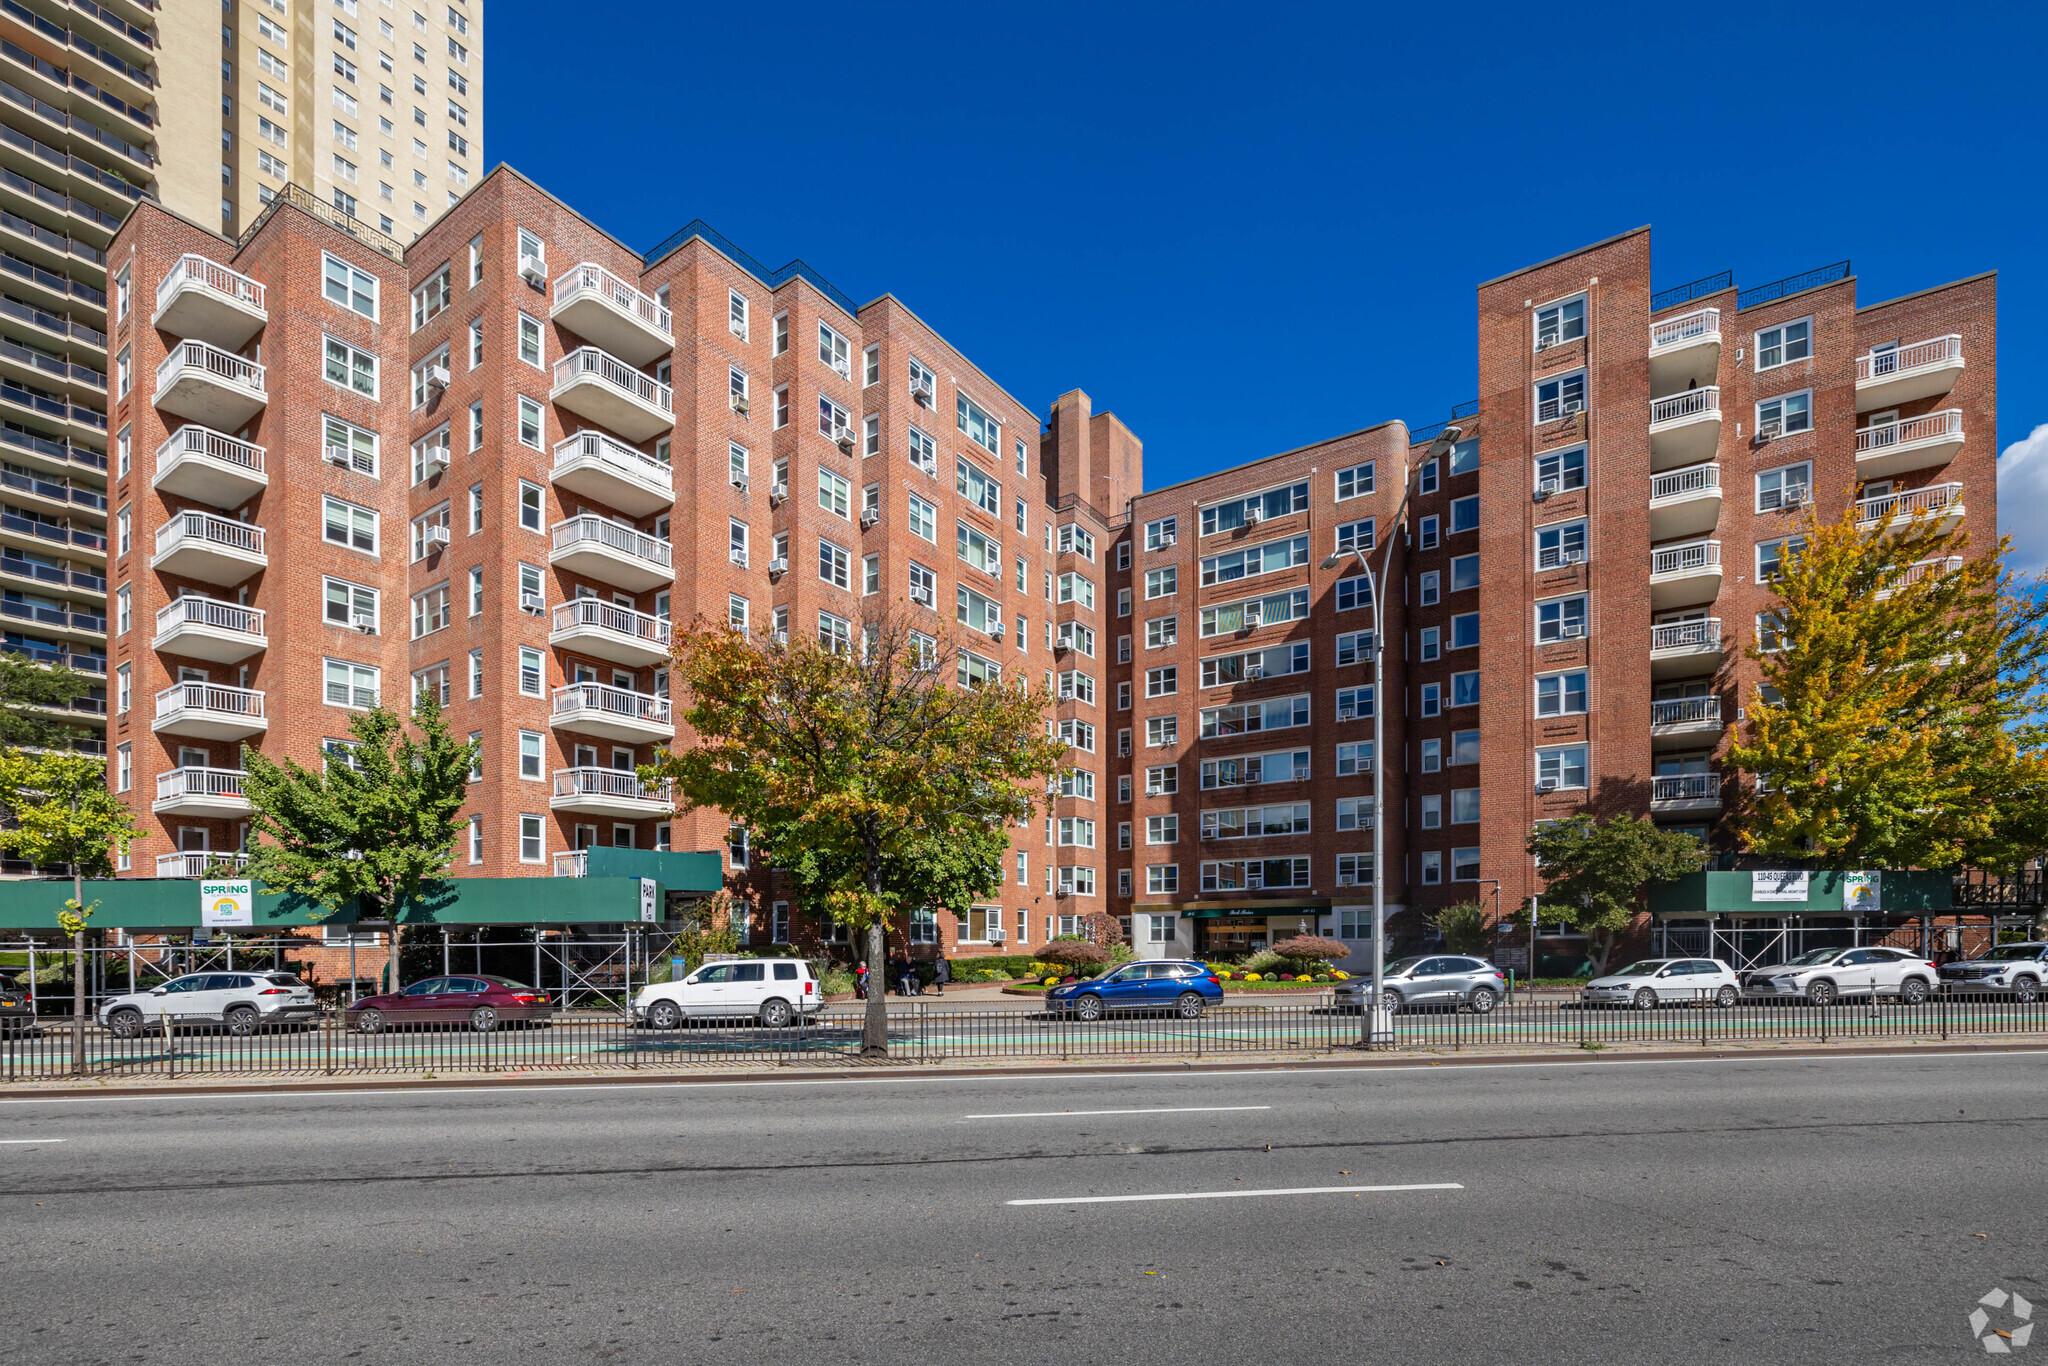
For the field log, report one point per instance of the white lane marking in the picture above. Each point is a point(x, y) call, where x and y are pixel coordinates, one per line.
point(15, 1141)
point(1164, 1110)
point(1064, 1078)
point(1233, 1195)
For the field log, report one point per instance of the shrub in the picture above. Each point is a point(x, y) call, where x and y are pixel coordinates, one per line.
point(1264, 961)
point(1463, 927)
point(1309, 952)
point(1251, 977)
point(1075, 953)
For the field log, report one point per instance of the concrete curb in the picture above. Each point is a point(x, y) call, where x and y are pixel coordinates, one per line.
point(912, 1071)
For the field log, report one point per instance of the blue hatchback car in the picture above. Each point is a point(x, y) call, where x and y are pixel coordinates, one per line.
point(1171, 986)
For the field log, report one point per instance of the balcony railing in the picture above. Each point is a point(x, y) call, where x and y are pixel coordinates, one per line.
point(1691, 403)
point(1704, 633)
point(198, 863)
point(602, 530)
point(222, 616)
point(610, 701)
point(197, 270)
point(57, 617)
point(1685, 787)
point(611, 782)
point(1693, 479)
point(189, 526)
point(193, 439)
point(224, 366)
point(1680, 559)
point(1883, 364)
point(1913, 573)
point(1909, 503)
point(1686, 711)
point(199, 782)
point(597, 446)
point(588, 360)
point(1703, 322)
point(612, 617)
point(595, 279)
point(1880, 435)
point(573, 863)
point(213, 697)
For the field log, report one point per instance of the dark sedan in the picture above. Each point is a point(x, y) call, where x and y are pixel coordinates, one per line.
point(17, 1008)
point(479, 1003)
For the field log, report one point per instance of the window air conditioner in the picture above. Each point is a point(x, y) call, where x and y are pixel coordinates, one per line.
point(1060, 647)
point(1254, 671)
point(1571, 630)
point(1769, 431)
point(742, 483)
point(534, 271)
point(1546, 784)
point(437, 376)
point(437, 457)
point(922, 392)
point(997, 633)
point(1168, 539)
point(531, 602)
point(364, 622)
point(737, 556)
point(782, 637)
point(1546, 490)
point(994, 571)
point(1572, 406)
point(779, 566)
point(843, 438)
point(1254, 517)
point(868, 517)
point(1064, 891)
point(339, 455)
point(776, 493)
point(739, 404)
point(434, 535)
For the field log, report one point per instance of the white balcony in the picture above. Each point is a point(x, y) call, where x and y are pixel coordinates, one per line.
point(614, 713)
point(1675, 794)
point(1684, 722)
point(599, 548)
point(210, 711)
point(606, 311)
point(209, 467)
point(1925, 369)
point(605, 630)
point(614, 395)
point(1685, 575)
point(207, 385)
point(1937, 506)
point(200, 863)
point(1913, 573)
point(572, 863)
point(1685, 428)
point(214, 793)
point(1884, 449)
point(1679, 649)
point(1685, 502)
point(200, 545)
point(1685, 349)
point(205, 301)
point(614, 792)
point(205, 628)
point(616, 475)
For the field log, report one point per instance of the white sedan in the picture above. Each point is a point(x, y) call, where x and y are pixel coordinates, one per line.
point(1666, 981)
point(1823, 976)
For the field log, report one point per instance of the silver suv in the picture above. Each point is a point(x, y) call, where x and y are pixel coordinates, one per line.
point(2017, 970)
point(1444, 979)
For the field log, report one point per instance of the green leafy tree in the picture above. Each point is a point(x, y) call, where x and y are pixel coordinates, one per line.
point(861, 767)
point(56, 809)
point(1596, 875)
point(1463, 927)
point(374, 828)
point(1903, 726)
point(27, 689)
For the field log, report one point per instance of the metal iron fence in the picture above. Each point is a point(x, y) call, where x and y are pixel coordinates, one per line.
point(198, 1046)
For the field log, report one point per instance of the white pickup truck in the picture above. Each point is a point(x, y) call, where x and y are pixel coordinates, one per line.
point(774, 991)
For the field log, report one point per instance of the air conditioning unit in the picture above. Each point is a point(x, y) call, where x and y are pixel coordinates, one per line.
point(1168, 539)
point(339, 455)
point(776, 493)
point(843, 438)
point(1571, 630)
point(1546, 784)
point(1769, 431)
point(930, 467)
point(778, 566)
point(782, 637)
point(534, 271)
point(1572, 406)
point(997, 633)
point(1254, 671)
point(364, 622)
point(737, 556)
point(1546, 490)
point(1060, 647)
point(1064, 892)
point(742, 483)
point(994, 571)
point(922, 393)
point(739, 404)
point(532, 602)
point(437, 457)
point(868, 517)
point(1254, 517)
point(437, 376)
point(434, 535)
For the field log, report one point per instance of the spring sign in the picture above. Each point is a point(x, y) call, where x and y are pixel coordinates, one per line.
point(227, 905)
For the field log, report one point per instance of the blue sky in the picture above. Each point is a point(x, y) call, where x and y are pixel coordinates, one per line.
point(1247, 228)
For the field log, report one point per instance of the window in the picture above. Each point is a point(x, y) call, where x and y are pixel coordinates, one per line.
point(529, 505)
point(1075, 589)
point(1465, 689)
point(924, 519)
point(1355, 813)
point(1162, 829)
point(1161, 731)
point(1163, 780)
point(1560, 322)
point(1161, 632)
point(1429, 643)
point(1465, 457)
point(1076, 540)
point(978, 489)
point(349, 605)
point(1465, 631)
point(1253, 561)
point(429, 453)
point(1560, 397)
point(1464, 572)
point(834, 421)
point(1353, 536)
point(1354, 870)
point(1785, 415)
point(1789, 487)
point(1162, 878)
point(835, 494)
point(870, 575)
point(1429, 588)
point(346, 524)
point(1076, 687)
point(1230, 875)
point(530, 839)
point(835, 564)
point(1161, 533)
point(1465, 514)
point(1465, 864)
point(1162, 583)
point(977, 549)
point(1278, 661)
point(1256, 822)
point(972, 609)
point(1123, 599)
point(430, 611)
point(1561, 544)
point(1354, 704)
point(1271, 610)
point(1561, 767)
point(924, 586)
point(476, 426)
point(1432, 867)
point(1464, 746)
point(351, 368)
point(1244, 718)
point(1077, 832)
point(1355, 482)
point(1561, 619)
point(1784, 344)
point(476, 674)
point(124, 689)
point(1770, 632)
point(781, 407)
point(1772, 555)
point(1427, 533)
point(531, 676)
point(1354, 759)
point(1426, 481)
point(351, 685)
point(975, 671)
point(344, 284)
point(1162, 682)
point(1255, 508)
point(530, 433)
point(1561, 694)
point(124, 614)
point(529, 341)
point(1432, 699)
point(430, 532)
point(430, 300)
point(1354, 647)
point(1078, 783)
point(834, 351)
point(1561, 471)
point(983, 430)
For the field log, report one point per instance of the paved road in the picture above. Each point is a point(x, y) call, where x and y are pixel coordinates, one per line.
point(1757, 1211)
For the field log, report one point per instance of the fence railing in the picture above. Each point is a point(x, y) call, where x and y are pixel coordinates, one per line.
point(572, 863)
point(1678, 559)
point(579, 698)
point(597, 446)
point(225, 366)
point(1791, 284)
point(1691, 403)
point(1692, 289)
point(589, 278)
point(1910, 503)
point(1692, 479)
point(199, 864)
point(1685, 787)
point(610, 616)
point(589, 527)
point(225, 616)
point(193, 269)
point(1880, 435)
point(199, 782)
point(589, 361)
point(1900, 360)
point(1685, 711)
point(1913, 573)
point(1701, 322)
point(211, 697)
point(193, 439)
point(611, 782)
point(206, 527)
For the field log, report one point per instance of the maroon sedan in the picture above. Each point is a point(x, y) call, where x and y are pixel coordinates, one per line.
point(480, 1003)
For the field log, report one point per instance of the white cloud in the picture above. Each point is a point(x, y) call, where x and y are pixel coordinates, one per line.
point(2023, 500)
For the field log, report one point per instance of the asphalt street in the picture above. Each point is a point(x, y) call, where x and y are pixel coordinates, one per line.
point(1759, 1211)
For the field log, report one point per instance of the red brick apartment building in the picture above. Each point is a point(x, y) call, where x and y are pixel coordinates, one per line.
point(500, 461)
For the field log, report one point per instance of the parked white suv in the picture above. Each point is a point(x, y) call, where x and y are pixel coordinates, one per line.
point(244, 1002)
point(2015, 969)
point(1824, 975)
point(773, 991)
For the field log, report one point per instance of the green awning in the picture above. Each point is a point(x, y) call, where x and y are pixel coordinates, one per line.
point(1210, 910)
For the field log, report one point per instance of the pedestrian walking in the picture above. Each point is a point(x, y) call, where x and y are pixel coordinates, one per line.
point(942, 973)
